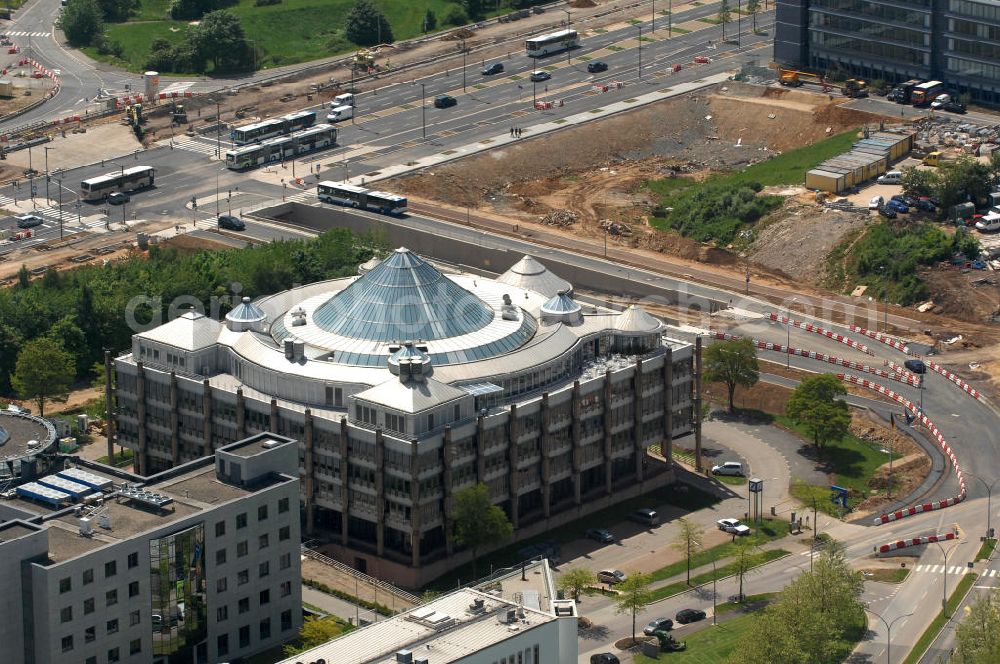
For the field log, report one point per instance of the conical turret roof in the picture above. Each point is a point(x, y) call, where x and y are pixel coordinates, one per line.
point(403, 297)
point(529, 274)
point(637, 320)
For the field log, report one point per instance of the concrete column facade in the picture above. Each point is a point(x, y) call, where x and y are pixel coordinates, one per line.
point(448, 488)
point(544, 444)
point(345, 489)
point(175, 442)
point(241, 415)
point(309, 480)
point(379, 492)
point(141, 462)
point(512, 435)
point(697, 403)
point(415, 507)
point(666, 447)
point(109, 410)
point(577, 456)
point(274, 416)
point(480, 451)
point(206, 418)
point(640, 449)
point(608, 420)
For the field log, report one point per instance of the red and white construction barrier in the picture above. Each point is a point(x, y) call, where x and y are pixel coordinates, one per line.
point(816, 329)
point(938, 436)
point(914, 541)
point(898, 344)
point(955, 379)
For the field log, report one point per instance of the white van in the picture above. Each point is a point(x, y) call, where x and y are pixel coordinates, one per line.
point(340, 113)
point(892, 177)
point(346, 99)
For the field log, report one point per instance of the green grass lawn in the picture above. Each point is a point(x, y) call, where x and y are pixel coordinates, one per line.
point(771, 530)
point(986, 549)
point(690, 500)
point(709, 645)
point(286, 33)
point(720, 572)
point(853, 462)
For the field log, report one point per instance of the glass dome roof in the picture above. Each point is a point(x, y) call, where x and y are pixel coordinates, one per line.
point(403, 298)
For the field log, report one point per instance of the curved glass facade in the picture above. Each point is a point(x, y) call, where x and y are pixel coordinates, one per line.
point(403, 298)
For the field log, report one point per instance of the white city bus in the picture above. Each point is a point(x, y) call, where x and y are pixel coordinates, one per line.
point(265, 129)
point(137, 177)
point(283, 147)
point(360, 197)
point(552, 43)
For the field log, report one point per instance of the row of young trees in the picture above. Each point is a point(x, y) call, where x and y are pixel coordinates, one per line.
point(958, 181)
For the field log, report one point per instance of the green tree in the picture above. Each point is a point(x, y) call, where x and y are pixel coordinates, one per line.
point(366, 25)
point(961, 180)
point(995, 165)
point(978, 634)
point(753, 6)
point(44, 370)
point(725, 15)
point(220, 38)
point(10, 338)
point(748, 555)
point(315, 632)
point(575, 581)
point(919, 181)
point(69, 335)
point(474, 8)
point(733, 363)
point(633, 596)
point(455, 15)
point(430, 20)
point(689, 540)
point(116, 11)
point(82, 22)
point(814, 405)
point(23, 276)
point(477, 522)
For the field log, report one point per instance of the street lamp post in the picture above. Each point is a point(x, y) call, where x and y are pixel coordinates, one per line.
point(888, 631)
point(714, 595)
point(944, 579)
point(989, 501)
point(59, 183)
point(788, 335)
point(569, 24)
point(640, 51)
point(670, 19)
point(47, 148)
point(423, 110)
point(465, 52)
point(652, 22)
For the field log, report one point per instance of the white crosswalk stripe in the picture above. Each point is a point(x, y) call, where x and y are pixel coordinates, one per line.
point(191, 145)
point(301, 197)
point(952, 569)
point(21, 33)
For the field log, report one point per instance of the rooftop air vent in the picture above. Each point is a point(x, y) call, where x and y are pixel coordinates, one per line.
point(404, 657)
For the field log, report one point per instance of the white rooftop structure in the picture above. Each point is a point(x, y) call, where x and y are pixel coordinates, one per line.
point(529, 274)
point(189, 331)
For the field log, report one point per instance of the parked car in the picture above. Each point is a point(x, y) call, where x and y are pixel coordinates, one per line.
point(876, 202)
point(702, 59)
point(539, 75)
point(611, 576)
point(604, 658)
point(925, 205)
point(954, 107)
point(444, 101)
point(646, 516)
point(898, 206)
point(887, 212)
point(988, 225)
point(904, 199)
point(685, 616)
point(734, 468)
point(29, 220)
point(596, 66)
point(892, 177)
point(733, 527)
point(118, 198)
point(495, 68)
point(658, 625)
point(229, 222)
point(600, 535)
point(916, 366)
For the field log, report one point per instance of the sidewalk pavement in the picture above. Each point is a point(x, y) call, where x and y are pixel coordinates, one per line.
point(338, 607)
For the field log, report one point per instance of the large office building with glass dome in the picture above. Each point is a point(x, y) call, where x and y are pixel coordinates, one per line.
point(404, 385)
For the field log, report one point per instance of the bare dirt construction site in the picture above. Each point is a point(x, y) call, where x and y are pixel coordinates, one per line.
point(591, 178)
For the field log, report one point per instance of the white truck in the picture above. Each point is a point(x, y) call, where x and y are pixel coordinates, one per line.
point(340, 113)
point(346, 99)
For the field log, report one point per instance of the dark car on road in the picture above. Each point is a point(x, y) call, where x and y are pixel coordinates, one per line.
point(887, 212)
point(916, 366)
point(231, 223)
point(600, 535)
point(444, 101)
point(495, 68)
point(685, 616)
point(597, 66)
point(539, 76)
point(118, 198)
point(29, 221)
point(658, 625)
point(604, 658)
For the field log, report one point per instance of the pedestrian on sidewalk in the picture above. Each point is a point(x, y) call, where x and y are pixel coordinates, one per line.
point(512, 131)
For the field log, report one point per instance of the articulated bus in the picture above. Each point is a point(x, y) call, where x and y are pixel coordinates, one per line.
point(265, 129)
point(283, 147)
point(360, 197)
point(137, 177)
point(552, 43)
point(925, 93)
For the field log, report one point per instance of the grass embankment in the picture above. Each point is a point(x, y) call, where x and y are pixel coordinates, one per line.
point(986, 549)
point(925, 640)
point(709, 645)
point(851, 460)
point(720, 572)
point(288, 32)
point(718, 208)
point(887, 574)
point(687, 498)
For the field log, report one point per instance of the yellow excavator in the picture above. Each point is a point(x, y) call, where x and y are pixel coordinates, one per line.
point(855, 88)
point(364, 58)
point(793, 79)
